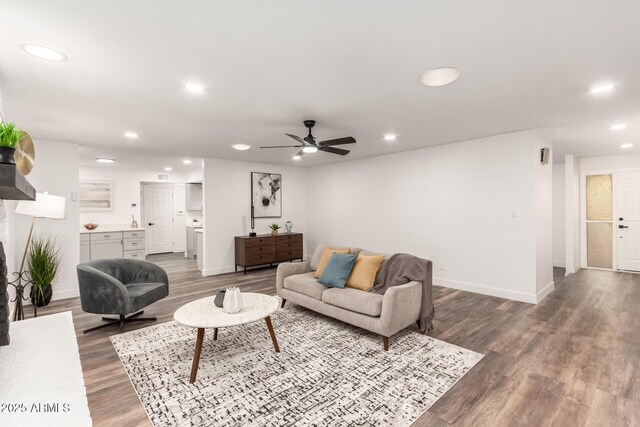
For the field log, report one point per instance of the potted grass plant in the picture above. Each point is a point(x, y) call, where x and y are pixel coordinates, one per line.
point(44, 264)
point(274, 229)
point(10, 135)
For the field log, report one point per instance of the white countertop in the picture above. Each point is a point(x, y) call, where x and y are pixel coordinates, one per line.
point(110, 228)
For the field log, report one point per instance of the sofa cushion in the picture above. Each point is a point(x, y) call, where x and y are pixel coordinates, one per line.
point(365, 271)
point(338, 269)
point(354, 300)
point(326, 256)
point(315, 259)
point(305, 284)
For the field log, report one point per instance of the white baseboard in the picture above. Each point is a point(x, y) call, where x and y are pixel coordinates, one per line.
point(487, 290)
point(219, 270)
point(69, 293)
point(545, 291)
point(559, 264)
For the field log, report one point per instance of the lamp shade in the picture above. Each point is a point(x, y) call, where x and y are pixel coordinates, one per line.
point(45, 206)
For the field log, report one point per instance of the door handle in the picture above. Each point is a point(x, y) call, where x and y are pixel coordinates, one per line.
point(623, 226)
point(151, 223)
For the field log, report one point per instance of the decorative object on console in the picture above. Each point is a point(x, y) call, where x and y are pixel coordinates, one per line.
point(134, 223)
point(253, 222)
point(219, 299)
point(288, 226)
point(338, 269)
point(266, 195)
point(90, 226)
point(44, 264)
point(45, 206)
point(232, 301)
point(95, 196)
point(274, 229)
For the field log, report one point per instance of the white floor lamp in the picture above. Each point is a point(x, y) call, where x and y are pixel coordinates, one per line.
point(45, 206)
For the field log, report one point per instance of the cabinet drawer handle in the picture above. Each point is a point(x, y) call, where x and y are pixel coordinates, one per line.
point(106, 236)
point(134, 244)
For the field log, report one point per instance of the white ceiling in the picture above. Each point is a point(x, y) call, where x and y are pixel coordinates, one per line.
point(352, 66)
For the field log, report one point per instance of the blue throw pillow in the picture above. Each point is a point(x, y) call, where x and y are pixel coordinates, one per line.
point(337, 271)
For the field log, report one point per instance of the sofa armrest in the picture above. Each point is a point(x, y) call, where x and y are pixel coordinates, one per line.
point(287, 269)
point(401, 306)
point(101, 293)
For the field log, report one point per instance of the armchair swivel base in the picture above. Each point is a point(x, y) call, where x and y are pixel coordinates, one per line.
point(111, 321)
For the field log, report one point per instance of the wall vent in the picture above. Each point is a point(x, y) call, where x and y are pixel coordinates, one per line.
point(163, 177)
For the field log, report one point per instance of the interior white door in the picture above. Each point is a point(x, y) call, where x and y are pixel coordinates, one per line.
point(158, 212)
point(628, 221)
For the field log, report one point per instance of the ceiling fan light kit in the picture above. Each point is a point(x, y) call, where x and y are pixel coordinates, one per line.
point(309, 144)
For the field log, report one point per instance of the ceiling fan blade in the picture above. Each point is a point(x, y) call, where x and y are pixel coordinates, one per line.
point(297, 138)
point(338, 141)
point(299, 154)
point(332, 150)
point(283, 146)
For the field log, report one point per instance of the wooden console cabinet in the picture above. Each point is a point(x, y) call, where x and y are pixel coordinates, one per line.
point(266, 249)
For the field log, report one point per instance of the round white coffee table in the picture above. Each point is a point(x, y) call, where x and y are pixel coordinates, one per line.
point(203, 313)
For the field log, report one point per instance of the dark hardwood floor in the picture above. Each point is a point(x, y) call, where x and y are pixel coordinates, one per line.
point(573, 359)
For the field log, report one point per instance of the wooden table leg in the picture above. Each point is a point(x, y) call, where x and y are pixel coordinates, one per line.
point(215, 334)
point(272, 333)
point(196, 356)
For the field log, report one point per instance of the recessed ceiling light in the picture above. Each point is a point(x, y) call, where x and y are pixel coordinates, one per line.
point(618, 126)
point(241, 147)
point(194, 87)
point(309, 149)
point(186, 162)
point(296, 157)
point(42, 52)
point(104, 160)
point(602, 88)
point(168, 169)
point(131, 135)
point(390, 137)
point(440, 76)
point(626, 146)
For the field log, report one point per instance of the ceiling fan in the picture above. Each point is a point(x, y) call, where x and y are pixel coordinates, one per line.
point(309, 144)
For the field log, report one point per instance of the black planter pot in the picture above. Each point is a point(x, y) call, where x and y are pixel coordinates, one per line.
point(7, 155)
point(41, 299)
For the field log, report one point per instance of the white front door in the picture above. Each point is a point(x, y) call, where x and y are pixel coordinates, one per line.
point(628, 221)
point(158, 212)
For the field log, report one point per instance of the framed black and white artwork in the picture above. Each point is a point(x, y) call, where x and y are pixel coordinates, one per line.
point(266, 194)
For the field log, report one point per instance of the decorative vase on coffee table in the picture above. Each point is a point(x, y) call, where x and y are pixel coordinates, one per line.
point(232, 301)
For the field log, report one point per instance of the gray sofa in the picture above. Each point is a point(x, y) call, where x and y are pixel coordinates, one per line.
point(384, 314)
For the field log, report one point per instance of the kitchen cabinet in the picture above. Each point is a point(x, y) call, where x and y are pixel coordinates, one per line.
point(112, 244)
point(194, 196)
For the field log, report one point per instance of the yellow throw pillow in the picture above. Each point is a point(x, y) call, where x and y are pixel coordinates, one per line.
point(364, 272)
point(324, 259)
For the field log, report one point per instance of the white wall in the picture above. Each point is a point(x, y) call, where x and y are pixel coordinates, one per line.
point(559, 220)
point(572, 213)
point(126, 191)
point(227, 211)
point(610, 163)
point(469, 207)
point(544, 217)
point(56, 172)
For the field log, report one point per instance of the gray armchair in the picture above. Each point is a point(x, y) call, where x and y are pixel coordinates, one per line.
point(120, 287)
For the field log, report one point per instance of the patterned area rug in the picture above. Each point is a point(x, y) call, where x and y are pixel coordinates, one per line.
point(327, 373)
